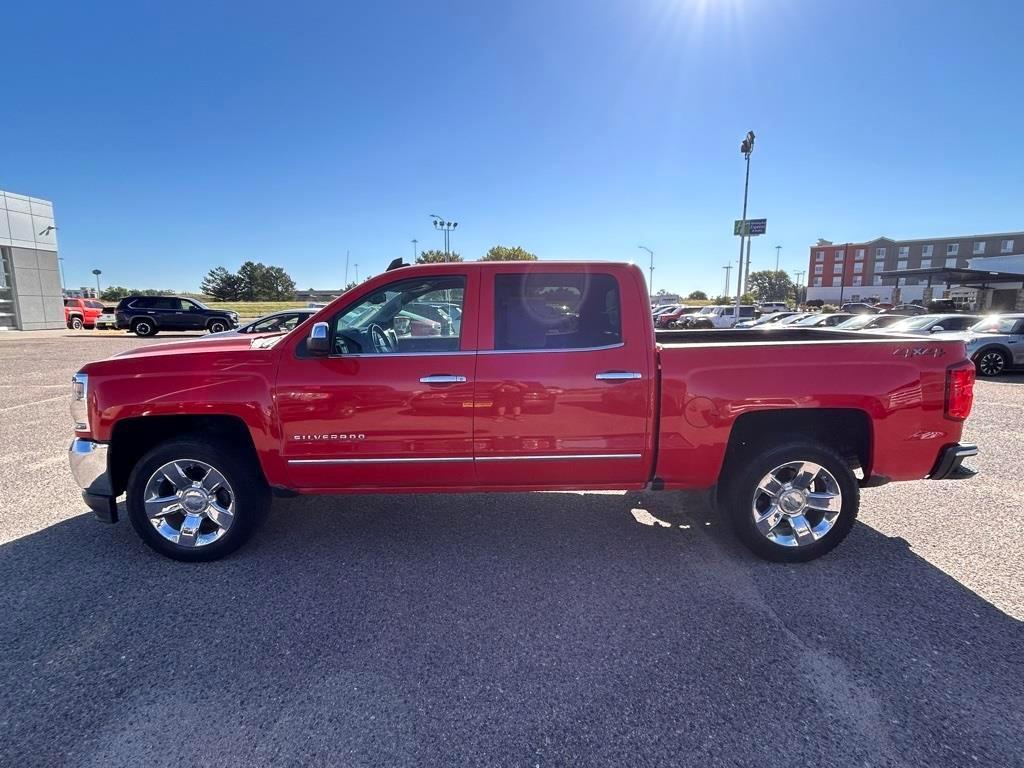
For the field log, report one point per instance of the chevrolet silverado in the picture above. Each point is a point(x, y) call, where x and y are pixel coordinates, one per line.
point(542, 376)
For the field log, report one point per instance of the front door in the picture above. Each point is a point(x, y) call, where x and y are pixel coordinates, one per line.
point(392, 405)
point(564, 381)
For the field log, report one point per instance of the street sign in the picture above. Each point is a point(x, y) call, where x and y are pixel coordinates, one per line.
point(754, 227)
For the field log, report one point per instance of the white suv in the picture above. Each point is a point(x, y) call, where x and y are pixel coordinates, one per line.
point(723, 316)
point(770, 307)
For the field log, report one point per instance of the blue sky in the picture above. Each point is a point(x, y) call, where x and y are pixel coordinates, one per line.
point(176, 137)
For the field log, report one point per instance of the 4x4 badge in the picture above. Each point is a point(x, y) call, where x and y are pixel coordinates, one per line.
point(909, 352)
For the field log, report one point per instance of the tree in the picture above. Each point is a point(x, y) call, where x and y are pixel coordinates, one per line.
point(698, 296)
point(276, 285)
point(769, 285)
point(504, 253)
point(437, 257)
point(220, 284)
point(115, 293)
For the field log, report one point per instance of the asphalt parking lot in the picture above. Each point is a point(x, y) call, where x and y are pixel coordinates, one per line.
point(512, 630)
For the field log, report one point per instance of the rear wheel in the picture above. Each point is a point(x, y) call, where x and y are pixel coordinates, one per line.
point(76, 324)
point(991, 362)
point(217, 326)
point(790, 503)
point(196, 501)
point(143, 327)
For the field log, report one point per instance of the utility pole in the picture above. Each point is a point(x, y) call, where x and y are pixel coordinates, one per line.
point(728, 269)
point(346, 269)
point(357, 271)
point(799, 285)
point(746, 269)
point(650, 283)
point(746, 147)
point(778, 249)
point(415, 251)
point(842, 277)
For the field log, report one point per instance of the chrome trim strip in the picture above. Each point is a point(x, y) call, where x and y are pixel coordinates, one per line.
point(562, 457)
point(549, 351)
point(385, 355)
point(395, 460)
point(449, 459)
point(80, 402)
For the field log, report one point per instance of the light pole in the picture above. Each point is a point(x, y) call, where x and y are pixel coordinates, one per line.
point(650, 283)
point(357, 271)
point(445, 226)
point(746, 148)
point(60, 265)
point(728, 269)
point(97, 272)
point(415, 250)
point(778, 250)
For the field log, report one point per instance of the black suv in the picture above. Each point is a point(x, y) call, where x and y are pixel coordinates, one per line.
point(146, 315)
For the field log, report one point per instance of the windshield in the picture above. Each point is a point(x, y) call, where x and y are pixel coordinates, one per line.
point(912, 323)
point(199, 304)
point(996, 324)
point(861, 321)
point(810, 320)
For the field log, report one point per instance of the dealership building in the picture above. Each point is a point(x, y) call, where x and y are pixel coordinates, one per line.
point(30, 282)
point(978, 272)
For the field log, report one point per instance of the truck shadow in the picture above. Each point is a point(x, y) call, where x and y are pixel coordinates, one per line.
point(512, 629)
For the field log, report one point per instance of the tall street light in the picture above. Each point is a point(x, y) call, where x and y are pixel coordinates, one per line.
point(650, 283)
point(778, 250)
point(728, 269)
point(746, 148)
point(97, 272)
point(799, 285)
point(445, 226)
point(415, 250)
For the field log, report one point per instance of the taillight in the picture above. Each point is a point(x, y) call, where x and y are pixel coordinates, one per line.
point(959, 391)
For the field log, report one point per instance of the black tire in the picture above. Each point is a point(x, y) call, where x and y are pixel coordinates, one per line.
point(76, 324)
point(217, 326)
point(740, 480)
point(143, 327)
point(991, 362)
point(251, 495)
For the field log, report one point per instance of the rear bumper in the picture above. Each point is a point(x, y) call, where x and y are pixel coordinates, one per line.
point(950, 463)
point(88, 461)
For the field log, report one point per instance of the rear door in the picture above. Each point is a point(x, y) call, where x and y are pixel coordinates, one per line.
point(564, 380)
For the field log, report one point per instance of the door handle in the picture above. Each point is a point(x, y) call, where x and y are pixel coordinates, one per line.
point(442, 378)
point(617, 376)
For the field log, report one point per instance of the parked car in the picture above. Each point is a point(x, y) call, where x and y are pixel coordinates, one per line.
point(148, 315)
point(668, 318)
point(858, 308)
point(995, 343)
point(723, 316)
point(285, 320)
point(770, 307)
point(868, 322)
point(81, 313)
point(822, 320)
point(772, 319)
point(200, 434)
point(925, 324)
point(908, 310)
point(106, 320)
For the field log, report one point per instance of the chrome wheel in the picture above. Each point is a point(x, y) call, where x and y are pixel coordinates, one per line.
point(796, 503)
point(142, 328)
point(991, 363)
point(217, 327)
point(189, 503)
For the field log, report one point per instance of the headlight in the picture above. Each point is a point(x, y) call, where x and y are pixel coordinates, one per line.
point(80, 402)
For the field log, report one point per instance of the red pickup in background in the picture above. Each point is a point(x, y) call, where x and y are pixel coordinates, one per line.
point(82, 313)
point(540, 376)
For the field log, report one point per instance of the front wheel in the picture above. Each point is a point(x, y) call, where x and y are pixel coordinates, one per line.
point(217, 326)
point(76, 324)
point(196, 501)
point(790, 503)
point(991, 362)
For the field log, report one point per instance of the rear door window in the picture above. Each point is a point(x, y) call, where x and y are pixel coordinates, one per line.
point(556, 311)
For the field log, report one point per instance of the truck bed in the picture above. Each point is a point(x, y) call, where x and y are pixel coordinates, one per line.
point(785, 335)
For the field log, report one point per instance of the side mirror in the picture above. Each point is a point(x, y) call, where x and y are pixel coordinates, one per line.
point(318, 342)
point(937, 328)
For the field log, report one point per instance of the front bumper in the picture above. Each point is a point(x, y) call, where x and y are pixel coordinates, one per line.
point(89, 467)
point(950, 463)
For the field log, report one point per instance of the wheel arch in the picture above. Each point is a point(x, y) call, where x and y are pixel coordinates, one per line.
point(848, 431)
point(133, 437)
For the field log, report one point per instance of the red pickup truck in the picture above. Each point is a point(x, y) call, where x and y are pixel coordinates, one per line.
point(82, 313)
point(544, 376)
